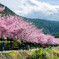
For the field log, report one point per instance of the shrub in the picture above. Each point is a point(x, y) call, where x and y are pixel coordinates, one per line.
point(45, 54)
point(9, 45)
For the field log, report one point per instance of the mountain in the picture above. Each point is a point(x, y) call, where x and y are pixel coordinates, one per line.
point(7, 11)
point(49, 27)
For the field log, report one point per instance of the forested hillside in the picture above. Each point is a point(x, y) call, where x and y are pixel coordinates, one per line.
point(50, 27)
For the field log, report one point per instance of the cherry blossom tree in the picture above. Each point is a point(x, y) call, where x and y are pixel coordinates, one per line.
point(15, 27)
point(2, 9)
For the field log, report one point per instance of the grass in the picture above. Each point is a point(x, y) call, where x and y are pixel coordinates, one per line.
point(15, 55)
point(49, 53)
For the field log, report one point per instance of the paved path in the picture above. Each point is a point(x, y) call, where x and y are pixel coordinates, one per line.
point(17, 50)
point(23, 50)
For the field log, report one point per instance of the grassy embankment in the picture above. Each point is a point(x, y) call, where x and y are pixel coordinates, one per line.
point(49, 53)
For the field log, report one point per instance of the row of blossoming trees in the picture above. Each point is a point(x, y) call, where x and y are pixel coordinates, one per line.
point(15, 27)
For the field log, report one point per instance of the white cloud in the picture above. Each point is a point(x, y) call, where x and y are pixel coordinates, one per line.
point(34, 9)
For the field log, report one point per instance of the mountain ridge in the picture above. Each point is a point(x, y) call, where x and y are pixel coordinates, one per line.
point(7, 10)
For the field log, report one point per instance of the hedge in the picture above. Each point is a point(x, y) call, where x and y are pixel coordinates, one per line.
point(8, 45)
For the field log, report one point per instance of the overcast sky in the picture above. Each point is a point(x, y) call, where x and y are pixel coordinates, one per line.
point(42, 9)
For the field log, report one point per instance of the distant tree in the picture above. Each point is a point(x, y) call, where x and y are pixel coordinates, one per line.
point(56, 35)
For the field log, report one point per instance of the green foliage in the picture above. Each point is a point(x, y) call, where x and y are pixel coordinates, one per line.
point(45, 54)
point(56, 35)
point(9, 45)
point(13, 52)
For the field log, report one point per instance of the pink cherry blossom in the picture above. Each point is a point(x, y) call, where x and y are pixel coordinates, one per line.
point(2, 9)
point(15, 27)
